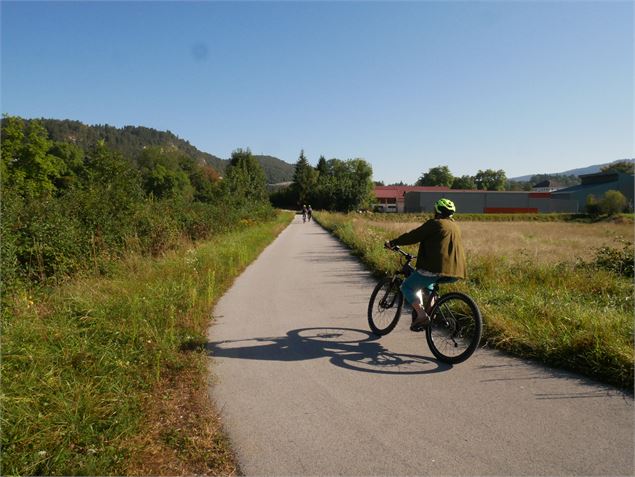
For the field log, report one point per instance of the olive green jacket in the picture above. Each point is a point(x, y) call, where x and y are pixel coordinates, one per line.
point(440, 247)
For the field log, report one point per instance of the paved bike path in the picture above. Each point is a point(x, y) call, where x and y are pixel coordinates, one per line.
point(304, 389)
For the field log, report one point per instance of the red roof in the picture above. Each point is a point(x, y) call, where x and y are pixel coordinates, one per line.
point(397, 192)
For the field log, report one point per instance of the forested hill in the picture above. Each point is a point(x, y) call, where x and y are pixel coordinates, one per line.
point(130, 140)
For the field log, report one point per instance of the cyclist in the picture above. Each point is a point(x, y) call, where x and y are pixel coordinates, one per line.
point(440, 258)
point(309, 212)
point(304, 212)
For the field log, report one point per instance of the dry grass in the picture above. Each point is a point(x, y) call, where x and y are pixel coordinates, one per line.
point(542, 242)
point(183, 433)
point(544, 289)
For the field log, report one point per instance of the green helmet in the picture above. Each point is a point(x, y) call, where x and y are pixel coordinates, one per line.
point(444, 207)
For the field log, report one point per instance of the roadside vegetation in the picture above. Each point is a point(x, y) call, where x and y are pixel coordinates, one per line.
point(560, 293)
point(107, 375)
point(111, 266)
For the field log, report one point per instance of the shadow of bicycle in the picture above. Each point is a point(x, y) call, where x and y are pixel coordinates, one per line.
point(347, 348)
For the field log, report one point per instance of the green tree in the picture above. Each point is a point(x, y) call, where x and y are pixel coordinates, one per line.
point(517, 185)
point(490, 179)
point(72, 157)
point(567, 181)
point(26, 160)
point(436, 176)
point(347, 186)
point(205, 180)
point(627, 167)
point(613, 202)
point(304, 179)
point(322, 166)
point(11, 145)
point(244, 178)
point(163, 175)
point(464, 182)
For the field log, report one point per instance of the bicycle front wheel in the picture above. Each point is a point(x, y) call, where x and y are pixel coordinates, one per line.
point(455, 329)
point(384, 307)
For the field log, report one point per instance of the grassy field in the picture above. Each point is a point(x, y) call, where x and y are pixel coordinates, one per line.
point(558, 292)
point(107, 376)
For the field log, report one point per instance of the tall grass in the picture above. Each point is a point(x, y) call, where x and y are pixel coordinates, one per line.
point(82, 362)
point(575, 314)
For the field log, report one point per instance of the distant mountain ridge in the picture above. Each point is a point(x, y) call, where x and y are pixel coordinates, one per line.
point(573, 172)
point(130, 140)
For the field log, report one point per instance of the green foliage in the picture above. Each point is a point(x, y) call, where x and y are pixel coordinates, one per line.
point(436, 176)
point(244, 178)
point(131, 140)
point(206, 182)
point(66, 211)
point(344, 186)
point(626, 167)
point(275, 169)
point(79, 361)
point(490, 179)
point(616, 260)
point(304, 180)
point(517, 185)
point(464, 182)
point(612, 203)
point(162, 173)
point(333, 185)
point(566, 181)
point(26, 162)
point(284, 198)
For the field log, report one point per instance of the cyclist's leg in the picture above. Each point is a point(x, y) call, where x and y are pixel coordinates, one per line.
point(412, 287)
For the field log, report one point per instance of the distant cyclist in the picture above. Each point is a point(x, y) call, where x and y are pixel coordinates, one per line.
point(309, 213)
point(304, 213)
point(440, 258)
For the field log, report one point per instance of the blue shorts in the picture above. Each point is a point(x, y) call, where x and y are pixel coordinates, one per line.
point(416, 281)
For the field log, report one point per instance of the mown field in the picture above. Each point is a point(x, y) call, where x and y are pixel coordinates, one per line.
point(106, 375)
point(560, 292)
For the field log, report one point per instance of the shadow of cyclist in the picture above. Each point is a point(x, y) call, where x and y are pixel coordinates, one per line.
point(348, 348)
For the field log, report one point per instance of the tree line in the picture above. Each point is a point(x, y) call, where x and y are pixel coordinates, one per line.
point(333, 184)
point(487, 179)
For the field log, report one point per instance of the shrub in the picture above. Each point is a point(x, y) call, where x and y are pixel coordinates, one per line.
point(613, 202)
point(616, 260)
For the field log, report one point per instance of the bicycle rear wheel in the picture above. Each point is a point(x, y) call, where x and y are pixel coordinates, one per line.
point(384, 307)
point(455, 330)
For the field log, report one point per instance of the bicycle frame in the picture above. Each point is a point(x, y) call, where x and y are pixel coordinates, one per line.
point(407, 269)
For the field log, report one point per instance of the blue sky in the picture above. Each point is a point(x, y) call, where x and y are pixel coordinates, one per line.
point(526, 87)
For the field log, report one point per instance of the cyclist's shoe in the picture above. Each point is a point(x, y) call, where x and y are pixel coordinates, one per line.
point(420, 323)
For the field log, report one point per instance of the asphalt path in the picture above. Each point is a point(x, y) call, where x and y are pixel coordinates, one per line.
point(305, 389)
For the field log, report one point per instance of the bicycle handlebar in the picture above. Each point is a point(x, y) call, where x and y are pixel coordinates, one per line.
point(405, 254)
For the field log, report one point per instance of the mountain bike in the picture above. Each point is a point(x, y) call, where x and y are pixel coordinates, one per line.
point(455, 327)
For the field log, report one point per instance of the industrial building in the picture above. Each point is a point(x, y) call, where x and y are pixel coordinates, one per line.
point(597, 185)
point(491, 202)
point(569, 200)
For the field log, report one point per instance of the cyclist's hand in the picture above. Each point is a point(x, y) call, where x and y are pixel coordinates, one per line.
point(388, 244)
